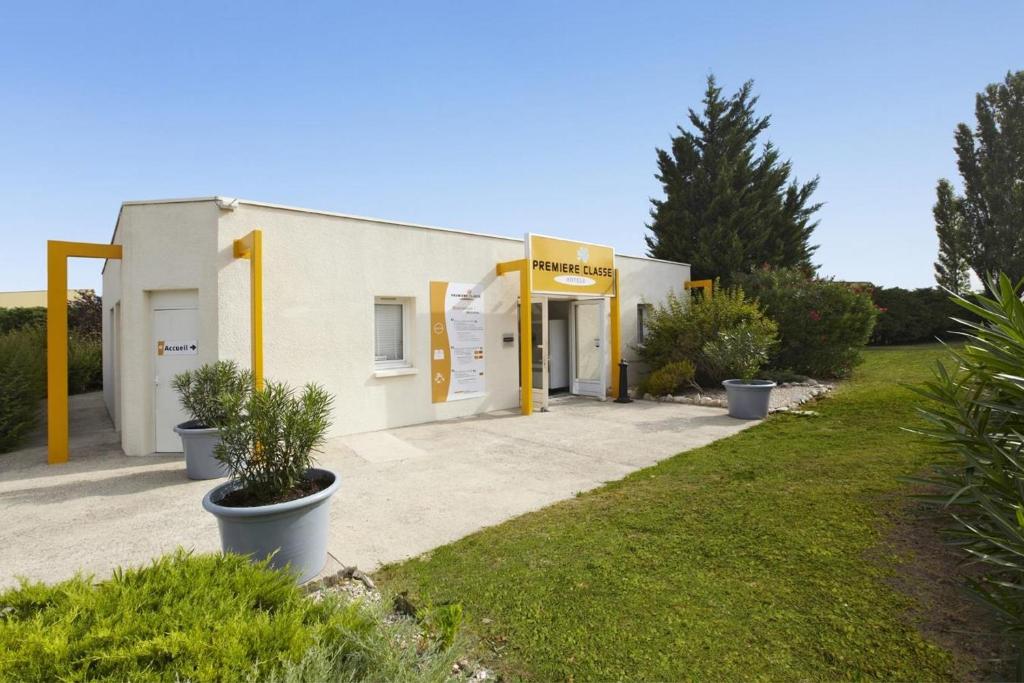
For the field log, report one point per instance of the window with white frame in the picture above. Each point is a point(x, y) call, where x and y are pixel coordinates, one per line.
point(643, 318)
point(390, 331)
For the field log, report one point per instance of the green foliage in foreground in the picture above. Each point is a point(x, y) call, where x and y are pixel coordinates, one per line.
point(754, 558)
point(977, 412)
point(203, 618)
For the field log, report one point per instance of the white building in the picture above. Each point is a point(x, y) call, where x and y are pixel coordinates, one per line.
point(402, 323)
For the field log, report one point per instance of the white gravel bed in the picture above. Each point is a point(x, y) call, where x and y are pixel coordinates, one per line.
point(786, 396)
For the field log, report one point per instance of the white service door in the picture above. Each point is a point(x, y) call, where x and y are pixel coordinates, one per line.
point(539, 351)
point(589, 346)
point(176, 325)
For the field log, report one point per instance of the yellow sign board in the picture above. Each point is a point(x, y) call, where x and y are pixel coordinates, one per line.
point(457, 338)
point(566, 267)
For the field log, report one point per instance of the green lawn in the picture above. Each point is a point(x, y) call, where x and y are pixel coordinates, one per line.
point(750, 558)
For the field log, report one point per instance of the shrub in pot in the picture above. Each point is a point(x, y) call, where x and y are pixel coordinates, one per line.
point(741, 352)
point(277, 504)
point(201, 392)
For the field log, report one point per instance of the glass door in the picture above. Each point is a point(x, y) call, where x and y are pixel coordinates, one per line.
point(587, 329)
point(539, 346)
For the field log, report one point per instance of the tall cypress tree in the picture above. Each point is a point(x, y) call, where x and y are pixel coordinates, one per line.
point(729, 207)
point(951, 270)
point(991, 163)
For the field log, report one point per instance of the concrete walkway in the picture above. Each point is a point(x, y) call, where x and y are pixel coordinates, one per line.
point(404, 491)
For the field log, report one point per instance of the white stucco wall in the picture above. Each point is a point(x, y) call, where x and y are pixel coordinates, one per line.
point(320, 276)
point(166, 247)
point(321, 273)
point(646, 281)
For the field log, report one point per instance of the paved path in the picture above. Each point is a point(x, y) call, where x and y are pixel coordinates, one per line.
point(404, 491)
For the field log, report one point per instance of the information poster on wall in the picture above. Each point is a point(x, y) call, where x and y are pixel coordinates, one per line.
point(456, 341)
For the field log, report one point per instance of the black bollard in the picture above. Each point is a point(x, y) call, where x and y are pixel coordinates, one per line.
point(623, 386)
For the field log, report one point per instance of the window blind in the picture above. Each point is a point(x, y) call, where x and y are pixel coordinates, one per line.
point(387, 328)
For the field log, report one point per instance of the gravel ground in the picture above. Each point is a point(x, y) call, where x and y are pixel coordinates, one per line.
point(786, 396)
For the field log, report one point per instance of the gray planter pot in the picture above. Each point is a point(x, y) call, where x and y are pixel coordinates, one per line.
point(198, 445)
point(748, 400)
point(296, 529)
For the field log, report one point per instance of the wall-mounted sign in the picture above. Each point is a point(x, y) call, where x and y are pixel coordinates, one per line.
point(565, 267)
point(177, 348)
point(456, 341)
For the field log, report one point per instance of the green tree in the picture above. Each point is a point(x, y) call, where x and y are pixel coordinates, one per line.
point(729, 207)
point(991, 163)
point(951, 270)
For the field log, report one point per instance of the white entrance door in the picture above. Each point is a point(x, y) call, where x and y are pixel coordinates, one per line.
point(175, 331)
point(589, 346)
point(540, 353)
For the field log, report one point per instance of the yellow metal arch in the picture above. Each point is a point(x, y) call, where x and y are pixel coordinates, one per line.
point(705, 285)
point(57, 255)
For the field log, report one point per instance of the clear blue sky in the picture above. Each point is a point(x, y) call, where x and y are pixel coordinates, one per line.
point(496, 117)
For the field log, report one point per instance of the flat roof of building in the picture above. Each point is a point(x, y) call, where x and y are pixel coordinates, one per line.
point(228, 203)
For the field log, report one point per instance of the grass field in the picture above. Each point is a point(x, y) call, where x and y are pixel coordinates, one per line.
point(757, 557)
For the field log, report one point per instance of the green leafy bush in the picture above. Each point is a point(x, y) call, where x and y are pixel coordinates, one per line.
point(203, 618)
point(914, 316)
point(679, 329)
point(12, 319)
point(976, 411)
point(823, 325)
point(268, 437)
point(85, 314)
point(22, 384)
point(202, 391)
point(85, 363)
point(668, 378)
point(738, 353)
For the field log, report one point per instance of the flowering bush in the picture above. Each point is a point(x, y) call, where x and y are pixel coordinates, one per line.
point(823, 324)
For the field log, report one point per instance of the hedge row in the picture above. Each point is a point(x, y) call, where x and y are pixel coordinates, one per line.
point(915, 316)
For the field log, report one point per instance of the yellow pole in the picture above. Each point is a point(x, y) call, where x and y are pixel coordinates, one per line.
point(522, 266)
point(525, 339)
point(251, 247)
point(616, 336)
point(56, 353)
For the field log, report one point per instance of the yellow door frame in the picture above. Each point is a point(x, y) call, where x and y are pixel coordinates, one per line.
point(522, 266)
point(57, 255)
point(251, 247)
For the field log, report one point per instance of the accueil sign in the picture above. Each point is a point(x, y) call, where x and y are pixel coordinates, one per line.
point(566, 267)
